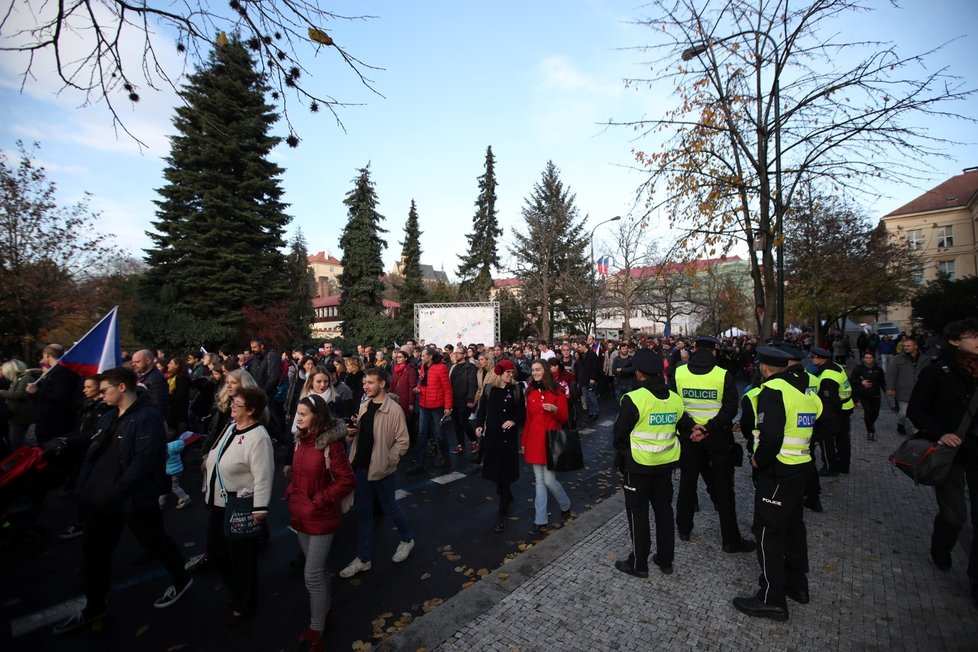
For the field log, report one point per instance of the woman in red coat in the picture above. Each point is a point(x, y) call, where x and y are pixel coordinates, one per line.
point(321, 476)
point(546, 409)
point(435, 402)
point(404, 378)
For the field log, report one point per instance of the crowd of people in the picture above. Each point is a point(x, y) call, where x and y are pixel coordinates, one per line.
point(340, 422)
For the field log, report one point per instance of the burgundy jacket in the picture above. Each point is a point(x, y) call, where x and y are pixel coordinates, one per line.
point(314, 492)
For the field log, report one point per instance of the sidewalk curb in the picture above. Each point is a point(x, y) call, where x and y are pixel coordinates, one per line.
point(436, 627)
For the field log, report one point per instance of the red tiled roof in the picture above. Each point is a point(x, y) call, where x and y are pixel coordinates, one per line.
point(506, 282)
point(325, 302)
point(956, 192)
point(321, 257)
point(693, 266)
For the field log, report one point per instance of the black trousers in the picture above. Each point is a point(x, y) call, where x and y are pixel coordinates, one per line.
point(836, 445)
point(463, 427)
point(236, 562)
point(871, 412)
point(953, 511)
point(640, 491)
point(101, 536)
point(695, 460)
point(782, 541)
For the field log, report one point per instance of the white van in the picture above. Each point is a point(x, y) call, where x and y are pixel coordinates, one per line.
point(888, 328)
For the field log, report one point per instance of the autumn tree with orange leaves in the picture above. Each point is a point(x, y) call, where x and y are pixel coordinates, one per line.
point(754, 74)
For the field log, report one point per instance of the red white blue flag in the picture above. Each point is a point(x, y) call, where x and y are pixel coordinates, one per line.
point(98, 350)
point(603, 263)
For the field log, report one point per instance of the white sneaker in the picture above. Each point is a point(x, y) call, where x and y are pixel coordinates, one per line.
point(183, 502)
point(404, 549)
point(354, 567)
point(172, 594)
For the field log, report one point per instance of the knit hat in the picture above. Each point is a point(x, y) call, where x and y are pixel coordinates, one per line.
point(503, 366)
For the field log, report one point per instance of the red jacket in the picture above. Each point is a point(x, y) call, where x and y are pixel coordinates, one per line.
point(314, 492)
point(402, 384)
point(437, 391)
point(538, 422)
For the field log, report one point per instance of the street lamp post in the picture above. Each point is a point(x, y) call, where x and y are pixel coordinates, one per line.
point(695, 51)
point(594, 280)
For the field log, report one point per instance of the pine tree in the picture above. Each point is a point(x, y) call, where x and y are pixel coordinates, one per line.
point(475, 268)
point(301, 282)
point(218, 239)
point(550, 257)
point(411, 288)
point(361, 290)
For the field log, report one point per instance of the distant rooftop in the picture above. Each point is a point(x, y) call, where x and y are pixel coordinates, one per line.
point(956, 192)
point(321, 257)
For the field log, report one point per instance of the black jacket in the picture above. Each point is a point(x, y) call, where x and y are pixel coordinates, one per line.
point(874, 375)
point(141, 473)
point(938, 402)
point(58, 398)
point(265, 368)
point(464, 383)
point(628, 417)
point(589, 368)
point(157, 391)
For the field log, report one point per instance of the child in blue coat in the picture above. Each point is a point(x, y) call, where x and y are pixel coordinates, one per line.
point(174, 467)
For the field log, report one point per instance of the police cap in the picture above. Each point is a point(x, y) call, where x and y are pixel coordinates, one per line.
point(705, 341)
point(773, 357)
point(646, 361)
point(819, 352)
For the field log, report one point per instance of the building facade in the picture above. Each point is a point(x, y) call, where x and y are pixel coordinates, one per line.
point(941, 226)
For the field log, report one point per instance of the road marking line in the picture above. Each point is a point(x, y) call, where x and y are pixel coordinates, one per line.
point(400, 493)
point(606, 423)
point(586, 431)
point(450, 477)
point(37, 620)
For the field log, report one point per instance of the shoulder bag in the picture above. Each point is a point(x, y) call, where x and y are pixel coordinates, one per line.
point(927, 462)
point(346, 502)
point(239, 521)
point(564, 450)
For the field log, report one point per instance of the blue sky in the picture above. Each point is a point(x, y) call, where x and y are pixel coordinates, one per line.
point(533, 79)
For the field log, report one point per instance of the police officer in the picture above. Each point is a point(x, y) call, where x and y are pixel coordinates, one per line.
point(710, 398)
point(647, 447)
point(832, 432)
point(786, 415)
point(813, 491)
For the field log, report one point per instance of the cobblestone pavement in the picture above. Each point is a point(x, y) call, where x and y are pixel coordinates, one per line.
point(872, 582)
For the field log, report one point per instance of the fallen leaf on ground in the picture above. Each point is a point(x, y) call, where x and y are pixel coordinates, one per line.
point(142, 630)
point(504, 576)
point(468, 584)
point(426, 576)
point(483, 572)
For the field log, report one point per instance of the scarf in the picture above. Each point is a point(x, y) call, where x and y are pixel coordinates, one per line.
point(967, 362)
point(399, 368)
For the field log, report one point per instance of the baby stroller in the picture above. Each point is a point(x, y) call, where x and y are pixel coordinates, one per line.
point(24, 479)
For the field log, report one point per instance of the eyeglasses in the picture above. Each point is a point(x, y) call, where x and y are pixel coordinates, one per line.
point(237, 405)
point(102, 390)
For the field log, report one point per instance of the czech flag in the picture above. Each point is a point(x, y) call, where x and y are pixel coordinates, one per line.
point(98, 350)
point(604, 263)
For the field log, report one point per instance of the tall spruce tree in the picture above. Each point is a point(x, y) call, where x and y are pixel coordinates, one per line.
point(411, 288)
point(361, 290)
point(550, 256)
point(218, 239)
point(301, 282)
point(475, 268)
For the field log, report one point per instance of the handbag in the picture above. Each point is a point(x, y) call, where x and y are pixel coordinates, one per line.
point(927, 462)
point(346, 502)
point(239, 522)
point(564, 450)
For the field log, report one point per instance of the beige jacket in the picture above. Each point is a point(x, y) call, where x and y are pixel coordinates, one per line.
point(390, 439)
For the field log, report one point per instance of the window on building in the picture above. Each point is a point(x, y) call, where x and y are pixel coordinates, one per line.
point(915, 238)
point(917, 274)
point(946, 267)
point(945, 236)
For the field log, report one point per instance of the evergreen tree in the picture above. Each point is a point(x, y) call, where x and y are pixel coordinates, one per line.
point(218, 239)
point(361, 290)
point(475, 268)
point(301, 283)
point(411, 289)
point(550, 257)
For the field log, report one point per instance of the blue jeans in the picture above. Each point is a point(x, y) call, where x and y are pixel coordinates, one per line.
point(591, 396)
point(430, 425)
point(363, 502)
point(543, 480)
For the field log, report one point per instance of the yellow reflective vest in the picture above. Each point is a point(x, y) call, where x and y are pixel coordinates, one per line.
point(702, 394)
point(845, 389)
point(800, 412)
point(653, 439)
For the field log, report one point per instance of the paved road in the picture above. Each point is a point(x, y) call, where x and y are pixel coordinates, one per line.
point(452, 517)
